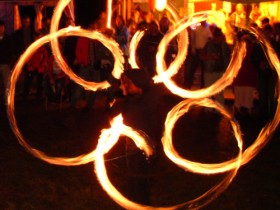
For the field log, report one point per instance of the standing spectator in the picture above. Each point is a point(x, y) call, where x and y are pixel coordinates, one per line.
point(23, 37)
point(255, 13)
point(46, 24)
point(56, 81)
point(36, 69)
point(264, 22)
point(122, 37)
point(238, 18)
point(6, 56)
point(144, 24)
point(202, 34)
point(216, 59)
point(87, 70)
point(68, 49)
point(105, 62)
point(172, 49)
point(164, 24)
point(245, 83)
point(267, 78)
point(132, 22)
point(191, 61)
point(147, 48)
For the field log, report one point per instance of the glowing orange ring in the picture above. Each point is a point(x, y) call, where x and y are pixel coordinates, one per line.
point(196, 167)
point(109, 43)
point(82, 159)
point(104, 146)
point(267, 131)
point(164, 75)
point(132, 48)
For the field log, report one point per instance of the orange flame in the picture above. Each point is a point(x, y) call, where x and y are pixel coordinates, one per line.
point(109, 12)
point(109, 137)
point(133, 46)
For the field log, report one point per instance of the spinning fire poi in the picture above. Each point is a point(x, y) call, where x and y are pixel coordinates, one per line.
point(110, 136)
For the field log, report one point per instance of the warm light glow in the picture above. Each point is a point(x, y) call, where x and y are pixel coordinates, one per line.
point(107, 42)
point(109, 137)
point(10, 108)
point(107, 140)
point(227, 7)
point(195, 167)
point(182, 41)
point(267, 131)
point(160, 4)
point(109, 12)
point(70, 31)
point(132, 48)
point(165, 74)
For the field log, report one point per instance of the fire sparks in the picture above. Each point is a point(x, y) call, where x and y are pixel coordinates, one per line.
point(110, 136)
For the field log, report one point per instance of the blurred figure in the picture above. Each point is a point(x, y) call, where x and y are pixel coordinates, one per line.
point(216, 59)
point(133, 22)
point(6, 57)
point(217, 17)
point(264, 22)
point(172, 49)
point(131, 26)
point(238, 18)
point(147, 48)
point(36, 68)
point(201, 35)
point(255, 13)
point(87, 70)
point(164, 24)
point(22, 38)
point(46, 24)
point(140, 109)
point(190, 62)
point(144, 24)
point(245, 84)
point(56, 81)
point(122, 37)
point(267, 78)
point(105, 62)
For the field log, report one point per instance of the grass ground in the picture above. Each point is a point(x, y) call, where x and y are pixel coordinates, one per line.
point(28, 183)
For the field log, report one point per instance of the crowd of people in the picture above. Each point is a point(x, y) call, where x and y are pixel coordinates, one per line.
point(254, 87)
point(209, 53)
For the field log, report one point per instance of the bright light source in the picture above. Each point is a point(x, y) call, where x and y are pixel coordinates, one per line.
point(160, 4)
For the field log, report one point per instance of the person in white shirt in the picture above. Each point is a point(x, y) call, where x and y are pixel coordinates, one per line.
point(201, 36)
